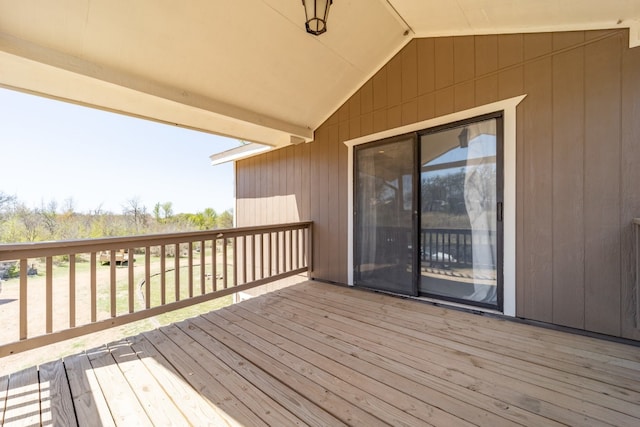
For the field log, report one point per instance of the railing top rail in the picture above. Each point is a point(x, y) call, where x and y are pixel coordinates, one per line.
point(13, 251)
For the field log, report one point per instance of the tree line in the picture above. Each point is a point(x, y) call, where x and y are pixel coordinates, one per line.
point(52, 221)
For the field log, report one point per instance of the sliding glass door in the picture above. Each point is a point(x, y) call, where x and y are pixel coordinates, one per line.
point(384, 220)
point(461, 201)
point(428, 213)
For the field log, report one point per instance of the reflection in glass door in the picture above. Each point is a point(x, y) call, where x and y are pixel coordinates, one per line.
point(384, 223)
point(461, 200)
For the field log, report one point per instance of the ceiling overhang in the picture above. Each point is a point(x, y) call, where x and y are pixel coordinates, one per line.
point(247, 69)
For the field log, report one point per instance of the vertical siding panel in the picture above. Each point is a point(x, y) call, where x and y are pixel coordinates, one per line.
point(426, 66)
point(339, 221)
point(260, 190)
point(354, 106)
point(464, 96)
point(242, 193)
point(332, 206)
point(568, 190)
point(343, 112)
point(443, 62)
point(291, 185)
point(520, 206)
point(380, 89)
point(366, 124)
point(319, 202)
point(242, 217)
point(536, 215)
point(394, 81)
point(366, 97)
point(464, 60)
point(409, 112)
point(537, 45)
point(567, 39)
point(394, 117)
point(281, 205)
point(426, 106)
point(444, 101)
point(240, 177)
point(250, 219)
point(602, 186)
point(380, 120)
point(510, 50)
point(510, 54)
point(409, 57)
point(268, 180)
point(305, 212)
point(354, 128)
point(486, 54)
point(487, 90)
point(630, 177)
point(298, 181)
point(538, 90)
point(272, 205)
point(510, 83)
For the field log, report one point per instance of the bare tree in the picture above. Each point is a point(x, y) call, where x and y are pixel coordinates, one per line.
point(137, 212)
point(49, 217)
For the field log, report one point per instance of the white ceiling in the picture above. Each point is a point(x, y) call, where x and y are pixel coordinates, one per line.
point(246, 68)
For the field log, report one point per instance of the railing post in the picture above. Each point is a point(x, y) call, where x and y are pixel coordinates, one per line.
point(72, 290)
point(310, 248)
point(49, 295)
point(163, 275)
point(131, 287)
point(93, 286)
point(23, 299)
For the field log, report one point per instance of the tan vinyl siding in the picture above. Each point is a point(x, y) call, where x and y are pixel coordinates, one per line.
point(578, 150)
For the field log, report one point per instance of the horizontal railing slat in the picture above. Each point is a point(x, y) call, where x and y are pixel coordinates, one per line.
point(12, 251)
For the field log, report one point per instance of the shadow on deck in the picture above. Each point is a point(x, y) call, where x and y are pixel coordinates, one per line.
point(318, 354)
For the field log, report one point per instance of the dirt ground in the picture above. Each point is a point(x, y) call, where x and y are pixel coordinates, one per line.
point(36, 288)
point(9, 318)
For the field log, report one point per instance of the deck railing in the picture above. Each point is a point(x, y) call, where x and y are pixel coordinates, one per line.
point(95, 284)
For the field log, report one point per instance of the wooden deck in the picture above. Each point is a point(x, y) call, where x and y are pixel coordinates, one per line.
point(317, 354)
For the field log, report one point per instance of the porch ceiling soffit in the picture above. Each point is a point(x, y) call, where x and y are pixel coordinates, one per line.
point(477, 17)
point(247, 69)
point(241, 69)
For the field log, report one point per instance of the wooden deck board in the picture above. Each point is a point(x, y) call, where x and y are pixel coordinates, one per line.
point(317, 354)
point(293, 401)
point(120, 397)
point(562, 405)
point(387, 358)
point(551, 377)
point(88, 400)
point(22, 407)
point(56, 406)
point(198, 409)
point(4, 386)
point(158, 405)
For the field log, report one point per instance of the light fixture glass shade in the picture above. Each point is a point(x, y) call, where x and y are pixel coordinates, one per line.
point(316, 14)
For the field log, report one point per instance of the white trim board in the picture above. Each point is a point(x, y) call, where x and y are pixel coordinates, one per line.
point(508, 107)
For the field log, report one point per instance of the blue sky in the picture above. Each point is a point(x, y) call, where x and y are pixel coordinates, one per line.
point(56, 150)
